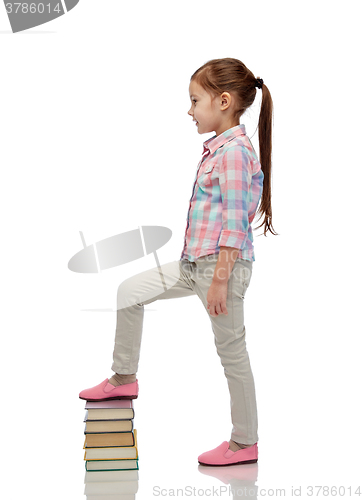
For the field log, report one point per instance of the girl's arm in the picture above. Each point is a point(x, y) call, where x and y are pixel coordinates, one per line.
point(234, 182)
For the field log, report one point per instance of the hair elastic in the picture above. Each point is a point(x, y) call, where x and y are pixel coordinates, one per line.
point(259, 83)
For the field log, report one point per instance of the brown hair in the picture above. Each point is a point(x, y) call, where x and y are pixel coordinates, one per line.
point(231, 75)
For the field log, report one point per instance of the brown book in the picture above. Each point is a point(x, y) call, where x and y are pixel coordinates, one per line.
point(112, 453)
point(109, 440)
point(105, 426)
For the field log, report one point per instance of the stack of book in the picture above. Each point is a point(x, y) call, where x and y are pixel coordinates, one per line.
point(111, 455)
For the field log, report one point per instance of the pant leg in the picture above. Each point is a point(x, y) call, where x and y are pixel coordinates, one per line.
point(144, 288)
point(230, 340)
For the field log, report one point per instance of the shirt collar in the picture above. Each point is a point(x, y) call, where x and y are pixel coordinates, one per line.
point(216, 142)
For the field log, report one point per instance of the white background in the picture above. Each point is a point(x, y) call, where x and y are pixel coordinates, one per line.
point(95, 137)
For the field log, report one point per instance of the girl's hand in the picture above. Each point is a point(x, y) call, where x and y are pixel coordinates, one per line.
point(217, 298)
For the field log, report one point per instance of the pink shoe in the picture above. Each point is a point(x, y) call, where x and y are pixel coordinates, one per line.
point(105, 391)
point(222, 455)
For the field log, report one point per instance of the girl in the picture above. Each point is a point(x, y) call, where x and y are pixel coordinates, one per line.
point(216, 261)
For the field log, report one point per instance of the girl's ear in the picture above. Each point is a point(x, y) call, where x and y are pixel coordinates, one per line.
point(225, 100)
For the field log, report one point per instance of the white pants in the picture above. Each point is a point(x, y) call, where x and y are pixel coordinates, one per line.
point(180, 279)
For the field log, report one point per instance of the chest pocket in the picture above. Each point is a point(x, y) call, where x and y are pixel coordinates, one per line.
point(205, 180)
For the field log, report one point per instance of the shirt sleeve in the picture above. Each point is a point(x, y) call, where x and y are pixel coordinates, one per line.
point(234, 182)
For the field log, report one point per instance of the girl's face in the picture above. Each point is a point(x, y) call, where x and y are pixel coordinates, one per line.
point(204, 110)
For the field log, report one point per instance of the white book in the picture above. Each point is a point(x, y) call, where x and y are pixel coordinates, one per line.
point(117, 409)
point(93, 465)
point(111, 475)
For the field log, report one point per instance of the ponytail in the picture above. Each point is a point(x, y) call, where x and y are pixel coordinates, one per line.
point(265, 143)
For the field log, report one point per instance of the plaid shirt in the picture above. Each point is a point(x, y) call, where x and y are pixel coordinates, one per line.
point(226, 192)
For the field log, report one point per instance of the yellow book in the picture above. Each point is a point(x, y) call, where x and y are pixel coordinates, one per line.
point(112, 453)
point(108, 439)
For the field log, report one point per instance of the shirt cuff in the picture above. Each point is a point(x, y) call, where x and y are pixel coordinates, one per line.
point(234, 239)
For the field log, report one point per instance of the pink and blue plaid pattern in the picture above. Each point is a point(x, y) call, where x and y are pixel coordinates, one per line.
point(226, 193)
